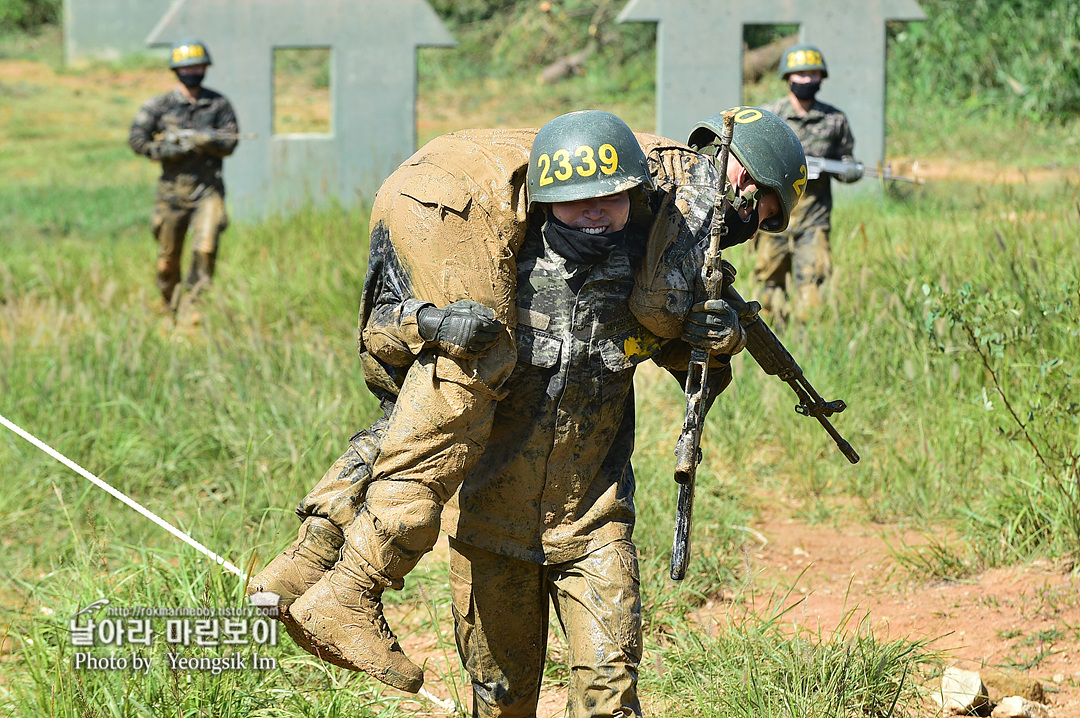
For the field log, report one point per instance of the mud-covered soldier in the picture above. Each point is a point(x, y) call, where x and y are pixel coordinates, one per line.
point(515, 411)
point(188, 130)
point(802, 254)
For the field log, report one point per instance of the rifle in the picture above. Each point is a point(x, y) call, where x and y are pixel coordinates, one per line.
point(688, 448)
point(771, 355)
point(816, 165)
point(774, 359)
point(185, 139)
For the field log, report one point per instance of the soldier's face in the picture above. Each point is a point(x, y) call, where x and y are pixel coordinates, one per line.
point(805, 76)
point(598, 215)
point(768, 203)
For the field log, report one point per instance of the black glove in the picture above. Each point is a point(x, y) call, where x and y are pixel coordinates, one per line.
point(462, 330)
point(714, 326)
point(851, 173)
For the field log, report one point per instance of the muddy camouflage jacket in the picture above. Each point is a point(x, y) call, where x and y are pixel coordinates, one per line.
point(550, 476)
point(824, 132)
point(211, 111)
point(554, 481)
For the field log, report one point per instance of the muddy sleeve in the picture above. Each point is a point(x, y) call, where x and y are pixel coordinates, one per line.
point(392, 334)
point(143, 128)
point(845, 143)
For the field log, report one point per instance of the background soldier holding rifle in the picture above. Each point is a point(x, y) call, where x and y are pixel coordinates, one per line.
point(516, 280)
point(188, 130)
point(803, 250)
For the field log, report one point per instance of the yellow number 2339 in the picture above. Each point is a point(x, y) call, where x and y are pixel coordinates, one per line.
point(585, 161)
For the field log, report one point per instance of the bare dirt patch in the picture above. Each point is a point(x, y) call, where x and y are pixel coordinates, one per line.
point(836, 580)
point(982, 172)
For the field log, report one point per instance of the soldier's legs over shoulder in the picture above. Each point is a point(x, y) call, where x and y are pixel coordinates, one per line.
point(500, 607)
point(326, 512)
point(598, 600)
point(169, 224)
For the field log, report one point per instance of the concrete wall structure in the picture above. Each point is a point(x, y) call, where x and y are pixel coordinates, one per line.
point(699, 56)
point(109, 28)
point(372, 81)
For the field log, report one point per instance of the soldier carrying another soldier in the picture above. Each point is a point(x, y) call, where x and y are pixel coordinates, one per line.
point(516, 280)
point(188, 130)
point(803, 250)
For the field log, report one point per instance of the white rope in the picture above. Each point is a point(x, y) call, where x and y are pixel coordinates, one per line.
point(126, 499)
point(449, 706)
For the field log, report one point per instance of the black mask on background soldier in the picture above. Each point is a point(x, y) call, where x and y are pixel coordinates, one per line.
point(190, 81)
point(805, 90)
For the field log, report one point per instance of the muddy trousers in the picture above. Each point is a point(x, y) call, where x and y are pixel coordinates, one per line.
point(805, 254)
point(173, 215)
point(501, 607)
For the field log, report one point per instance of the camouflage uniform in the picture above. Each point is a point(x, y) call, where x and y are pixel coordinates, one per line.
point(803, 249)
point(528, 447)
point(190, 192)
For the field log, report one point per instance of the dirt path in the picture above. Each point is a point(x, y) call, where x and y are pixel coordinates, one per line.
point(1025, 618)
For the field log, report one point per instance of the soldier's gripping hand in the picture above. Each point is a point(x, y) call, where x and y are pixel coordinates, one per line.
point(463, 329)
point(714, 326)
point(166, 151)
point(851, 173)
point(202, 140)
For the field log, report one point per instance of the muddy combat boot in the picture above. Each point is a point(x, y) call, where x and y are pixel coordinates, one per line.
point(297, 568)
point(340, 620)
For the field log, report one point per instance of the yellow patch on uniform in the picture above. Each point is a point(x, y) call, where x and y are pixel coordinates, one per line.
point(644, 345)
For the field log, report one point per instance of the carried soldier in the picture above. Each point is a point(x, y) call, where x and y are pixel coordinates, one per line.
point(516, 279)
point(189, 130)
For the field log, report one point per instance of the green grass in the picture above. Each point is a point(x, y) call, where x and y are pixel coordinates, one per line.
point(221, 428)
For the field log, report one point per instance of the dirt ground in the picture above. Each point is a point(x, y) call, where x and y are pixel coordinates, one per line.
point(1024, 619)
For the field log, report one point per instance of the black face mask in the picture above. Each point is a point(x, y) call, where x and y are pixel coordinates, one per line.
point(580, 247)
point(738, 230)
point(190, 81)
point(805, 90)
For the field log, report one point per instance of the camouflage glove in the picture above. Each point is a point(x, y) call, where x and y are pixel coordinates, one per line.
point(851, 173)
point(463, 329)
point(167, 151)
point(714, 326)
point(202, 140)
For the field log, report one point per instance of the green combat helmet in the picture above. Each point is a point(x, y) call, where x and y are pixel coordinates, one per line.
point(768, 149)
point(800, 58)
point(187, 52)
point(585, 154)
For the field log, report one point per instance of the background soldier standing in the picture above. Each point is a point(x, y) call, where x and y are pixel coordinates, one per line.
point(803, 249)
point(189, 130)
point(563, 259)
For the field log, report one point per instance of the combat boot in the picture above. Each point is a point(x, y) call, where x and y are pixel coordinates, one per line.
point(295, 570)
point(340, 619)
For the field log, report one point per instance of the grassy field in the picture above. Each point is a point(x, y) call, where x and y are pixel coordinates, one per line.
point(951, 332)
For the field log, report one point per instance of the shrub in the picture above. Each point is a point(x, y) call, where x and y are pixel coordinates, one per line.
point(16, 15)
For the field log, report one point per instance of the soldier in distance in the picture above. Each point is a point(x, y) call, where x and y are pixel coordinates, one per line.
point(802, 255)
point(191, 191)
